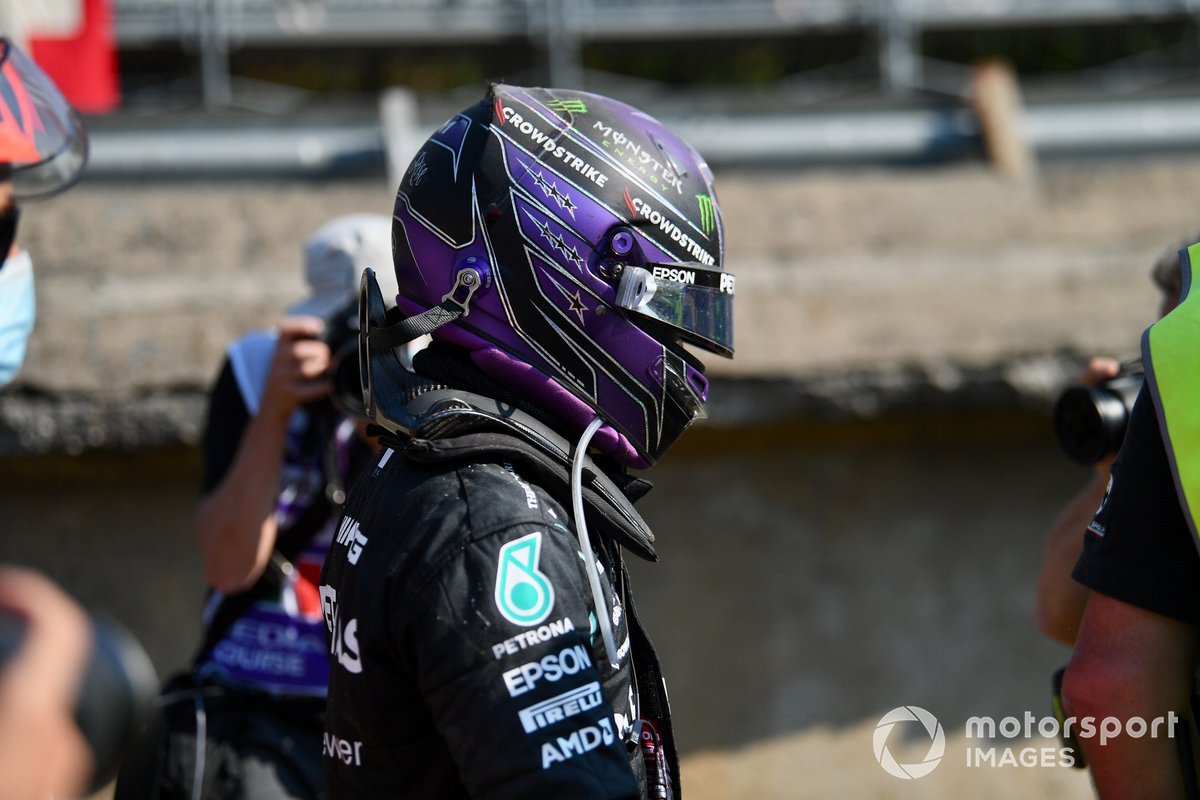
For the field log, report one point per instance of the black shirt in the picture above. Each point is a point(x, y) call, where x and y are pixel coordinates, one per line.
point(227, 420)
point(1139, 548)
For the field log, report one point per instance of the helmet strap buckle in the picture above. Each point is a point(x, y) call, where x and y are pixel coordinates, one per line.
point(466, 283)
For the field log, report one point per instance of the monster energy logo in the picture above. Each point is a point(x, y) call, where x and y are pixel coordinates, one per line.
point(708, 217)
point(523, 595)
point(572, 106)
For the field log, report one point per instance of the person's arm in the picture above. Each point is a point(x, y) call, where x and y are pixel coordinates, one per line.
point(235, 523)
point(1060, 600)
point(1131, 662)
point(42, 752)
point(1139, 640)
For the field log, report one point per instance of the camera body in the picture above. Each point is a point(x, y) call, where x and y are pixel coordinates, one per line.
point(116, 692)
point(1090, 423)
point(345, 383)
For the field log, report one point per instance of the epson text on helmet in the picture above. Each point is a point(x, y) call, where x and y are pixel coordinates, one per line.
point(675, 275)
point(547, 142)
point(693, 248)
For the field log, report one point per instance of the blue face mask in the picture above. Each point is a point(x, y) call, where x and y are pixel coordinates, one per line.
point(16, 312)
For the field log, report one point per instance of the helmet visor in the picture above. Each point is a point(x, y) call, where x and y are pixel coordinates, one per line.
point(41, 137)
point(695, 300)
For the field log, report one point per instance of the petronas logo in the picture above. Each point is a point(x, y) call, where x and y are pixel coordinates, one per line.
point(572, 106)
point(708, 216)
point(523, 595)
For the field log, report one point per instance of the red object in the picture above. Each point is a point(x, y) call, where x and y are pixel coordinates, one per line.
point(308, 598)
point(83, 65)
point(18, 118)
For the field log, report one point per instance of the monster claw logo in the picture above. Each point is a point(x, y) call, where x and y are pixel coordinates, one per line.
point(708, 217)
point(572, 106)
point(523, 595)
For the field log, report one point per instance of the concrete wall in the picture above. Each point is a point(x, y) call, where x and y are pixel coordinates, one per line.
point(863, 289)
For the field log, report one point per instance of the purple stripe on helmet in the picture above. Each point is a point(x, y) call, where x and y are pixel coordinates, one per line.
point(541, 391)
point(535, 386)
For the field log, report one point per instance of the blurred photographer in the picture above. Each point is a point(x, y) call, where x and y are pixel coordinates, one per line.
point(1138, 645)
point(70, 691)
point(1060, 601)
point(42, 751)
point(279, 453)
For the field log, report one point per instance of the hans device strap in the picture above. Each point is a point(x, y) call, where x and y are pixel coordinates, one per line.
point(614, 515)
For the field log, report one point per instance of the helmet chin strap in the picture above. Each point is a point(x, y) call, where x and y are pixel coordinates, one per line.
point(455, 303)
point(589, 559)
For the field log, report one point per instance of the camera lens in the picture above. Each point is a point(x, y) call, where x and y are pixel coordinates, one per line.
point(1090, 423)
point(119, 686)
point(115, 694)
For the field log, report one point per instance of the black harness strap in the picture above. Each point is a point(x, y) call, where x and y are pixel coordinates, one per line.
point(616, 517)
point(409, 328)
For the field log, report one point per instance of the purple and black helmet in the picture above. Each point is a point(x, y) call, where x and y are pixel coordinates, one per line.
point(598, 238)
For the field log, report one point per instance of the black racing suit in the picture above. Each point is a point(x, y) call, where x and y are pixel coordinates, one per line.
point(466, 658)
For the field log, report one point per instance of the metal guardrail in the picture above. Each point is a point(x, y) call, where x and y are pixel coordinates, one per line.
point(311, 150)
point(245, 22)
point(215, 27)
point(331, 21)
point(898, 136)
point(988, 13)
